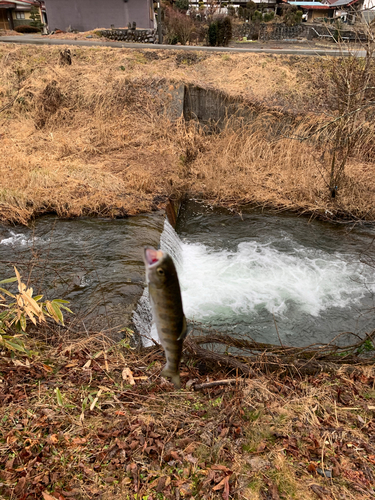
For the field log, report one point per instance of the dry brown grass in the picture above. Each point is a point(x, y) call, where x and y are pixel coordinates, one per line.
point(94, 138)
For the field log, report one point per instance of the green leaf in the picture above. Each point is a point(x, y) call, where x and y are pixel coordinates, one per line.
point(37, 297)
point(13, 346)
point(56, 308)
point(61, 301)
point(23, 322)
point(8, 280)
point(59, 397)
point(7, 293)
point(66, 309)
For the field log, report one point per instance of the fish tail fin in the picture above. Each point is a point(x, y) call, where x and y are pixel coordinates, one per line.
point(175, 377)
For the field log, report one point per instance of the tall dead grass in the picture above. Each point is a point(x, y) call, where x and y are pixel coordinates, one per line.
point(96, 137)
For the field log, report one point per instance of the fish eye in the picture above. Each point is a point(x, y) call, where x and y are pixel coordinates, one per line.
point(160, 271)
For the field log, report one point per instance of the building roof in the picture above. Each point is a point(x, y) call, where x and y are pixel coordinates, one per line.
point(24, 3)
point(338, 3)
point(310, 5)
point(328, 4)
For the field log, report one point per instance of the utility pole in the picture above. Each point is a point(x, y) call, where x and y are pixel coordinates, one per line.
point(160, 34)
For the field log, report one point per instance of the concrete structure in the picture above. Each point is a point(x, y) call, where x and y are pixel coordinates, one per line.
point(85, 15)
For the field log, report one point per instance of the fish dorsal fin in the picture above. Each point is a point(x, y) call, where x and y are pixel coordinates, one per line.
point(184, 331)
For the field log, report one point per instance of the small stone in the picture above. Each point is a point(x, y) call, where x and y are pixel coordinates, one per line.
point(324, 473)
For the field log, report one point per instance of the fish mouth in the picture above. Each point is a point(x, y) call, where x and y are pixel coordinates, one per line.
point(152, 256)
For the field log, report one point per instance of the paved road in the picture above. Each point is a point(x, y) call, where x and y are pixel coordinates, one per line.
point(304, 51)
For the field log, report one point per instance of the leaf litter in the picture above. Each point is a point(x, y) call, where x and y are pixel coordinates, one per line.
point(95, 420)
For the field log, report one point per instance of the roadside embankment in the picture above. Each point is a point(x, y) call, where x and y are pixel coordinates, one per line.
point(98, 137)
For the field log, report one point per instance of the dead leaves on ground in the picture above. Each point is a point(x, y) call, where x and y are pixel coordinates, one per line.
point(121, 430)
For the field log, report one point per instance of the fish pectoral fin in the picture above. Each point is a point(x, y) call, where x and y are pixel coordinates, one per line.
point(184, 332)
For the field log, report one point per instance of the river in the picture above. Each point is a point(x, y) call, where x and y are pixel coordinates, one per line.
point(271, 277)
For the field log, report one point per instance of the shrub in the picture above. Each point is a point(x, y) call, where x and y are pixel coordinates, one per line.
point(26, 28)
point(292, 16)
point(220, 32)
point(179, 26)
point(182, 5)
point(257, 17)
point(268, 16)
point(35, 16)
point(212, 34)
point(22, 308)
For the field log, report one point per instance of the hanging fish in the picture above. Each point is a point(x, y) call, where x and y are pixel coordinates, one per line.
point(165, 298)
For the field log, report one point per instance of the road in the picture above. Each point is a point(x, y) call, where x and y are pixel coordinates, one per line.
point(291, 50)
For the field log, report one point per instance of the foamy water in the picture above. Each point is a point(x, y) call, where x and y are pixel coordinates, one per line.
point(257, 280)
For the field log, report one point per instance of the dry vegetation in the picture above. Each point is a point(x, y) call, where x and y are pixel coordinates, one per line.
point(74, 424)
point(97, 138)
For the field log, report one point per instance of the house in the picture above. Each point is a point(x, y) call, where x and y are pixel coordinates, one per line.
point(313, 10)
point(85, 15)
point(329, 9)
point(15, 13)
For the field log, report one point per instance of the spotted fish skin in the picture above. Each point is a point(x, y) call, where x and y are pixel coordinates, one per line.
point(166, 303)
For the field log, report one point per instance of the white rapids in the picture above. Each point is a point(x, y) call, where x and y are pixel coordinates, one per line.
point(254, 279)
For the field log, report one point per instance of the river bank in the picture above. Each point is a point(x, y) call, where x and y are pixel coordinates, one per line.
point(86, 418)
point(101, 137)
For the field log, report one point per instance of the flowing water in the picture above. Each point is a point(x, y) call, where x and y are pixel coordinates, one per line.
point(270, 277)
point(95, 263)
point(245, 274)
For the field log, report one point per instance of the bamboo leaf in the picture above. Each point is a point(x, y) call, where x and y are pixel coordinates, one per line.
point(30, 315)
point(34, 306)
point(58, 312)
point(23, 322)
point(66, 309)
point(7, 293)
point(20, 284)
point(8, 280)
point(59, 397)
point(51, 310)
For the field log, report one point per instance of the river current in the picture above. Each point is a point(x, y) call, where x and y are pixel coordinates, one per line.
point(267, 276)
point(270, 277)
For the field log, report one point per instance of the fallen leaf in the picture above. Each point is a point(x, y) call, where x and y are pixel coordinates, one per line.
point(52, 439)
point(311, 468)
point(127, 376)
point(19, 489)
point(175, 455)
point(92, 406)
point(221, 467)
point(47, 496)
point(322, 493)
point(86, 365)
point(78, 440)
point(161, 484)
point(224, 484)
point(72, 364)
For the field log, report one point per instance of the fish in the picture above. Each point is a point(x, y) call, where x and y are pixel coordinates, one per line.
point(166, 303)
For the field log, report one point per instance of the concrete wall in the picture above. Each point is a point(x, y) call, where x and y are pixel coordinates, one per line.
point(85, 15)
